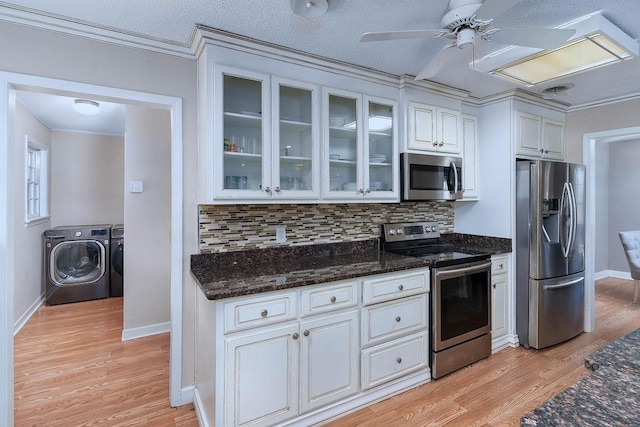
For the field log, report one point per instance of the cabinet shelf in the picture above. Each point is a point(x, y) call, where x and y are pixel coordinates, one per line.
point(294, 126)
point(294, 159)
point(343, 162)
point(342, 133)
point(380, 164)
point(243, 119)
point(243, 156)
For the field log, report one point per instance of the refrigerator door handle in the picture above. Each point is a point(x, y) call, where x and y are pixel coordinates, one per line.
point(564, 241)
point(564, 285)
point(574, 217)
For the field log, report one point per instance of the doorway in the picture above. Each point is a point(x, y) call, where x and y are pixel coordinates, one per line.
point(9, 84)
point(591, 142)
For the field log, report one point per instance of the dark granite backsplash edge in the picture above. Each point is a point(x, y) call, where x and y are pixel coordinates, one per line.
point(493, 245)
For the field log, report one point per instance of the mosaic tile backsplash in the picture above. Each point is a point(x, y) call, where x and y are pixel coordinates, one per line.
point(225, 228)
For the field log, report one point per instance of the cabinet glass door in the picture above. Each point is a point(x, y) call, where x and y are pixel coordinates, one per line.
point(295, 140)
point(380, 149)
point(343, 144)
point(242, 132)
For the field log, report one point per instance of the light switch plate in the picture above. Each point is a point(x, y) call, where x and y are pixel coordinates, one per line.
point(136, 186)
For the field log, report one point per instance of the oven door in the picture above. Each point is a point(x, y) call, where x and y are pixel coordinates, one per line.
point(461, 303)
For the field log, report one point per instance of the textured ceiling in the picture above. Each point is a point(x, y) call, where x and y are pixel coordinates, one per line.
point(336, 33)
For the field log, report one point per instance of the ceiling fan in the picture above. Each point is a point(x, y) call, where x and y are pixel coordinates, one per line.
point(467, 20)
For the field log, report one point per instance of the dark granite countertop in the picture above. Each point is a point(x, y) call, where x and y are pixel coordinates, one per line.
point(231, 274)
point(256, 271)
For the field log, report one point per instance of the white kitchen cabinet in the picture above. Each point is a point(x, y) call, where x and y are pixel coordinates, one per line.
point(261, 376)
point(382, 322)
point(434, 128)
point(266, 142)
point(329, 353)
point(500, 297)
point(539, 137)
point(360, 153)
point(469, 157)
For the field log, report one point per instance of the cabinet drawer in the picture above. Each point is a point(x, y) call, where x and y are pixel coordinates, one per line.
point(383, 321)
point(255, 312)
point(389, 287)
point(328, 298)
point(391, 360)
point(498, 264)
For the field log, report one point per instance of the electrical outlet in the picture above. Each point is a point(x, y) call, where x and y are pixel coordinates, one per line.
point(281, 234)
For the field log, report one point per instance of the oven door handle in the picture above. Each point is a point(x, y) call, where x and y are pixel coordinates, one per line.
point(466, 269)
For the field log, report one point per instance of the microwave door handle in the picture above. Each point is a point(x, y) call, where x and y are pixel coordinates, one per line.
point(455, 177)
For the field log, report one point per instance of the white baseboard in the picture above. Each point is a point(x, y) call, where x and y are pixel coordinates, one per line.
point(199, 408)
point(612, 273)
point(145, 331)
point(27, 314)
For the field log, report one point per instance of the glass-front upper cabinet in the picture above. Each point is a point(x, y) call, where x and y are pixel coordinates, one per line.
point(343, 144)
point(381, 134)
point(240, 142)
point(362, 147)
point(296, 137)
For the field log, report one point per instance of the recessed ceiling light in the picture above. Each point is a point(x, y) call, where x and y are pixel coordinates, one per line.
point(86, 106)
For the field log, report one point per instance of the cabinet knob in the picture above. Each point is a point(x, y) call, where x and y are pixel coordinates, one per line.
point(368, 190)
point(295, 336)
point(264, 313)
point(267, 189)
point(398, 319)
point(277, 189)
point(361, 191)
point(494, 286)
point(333, 299)
point(542, 150)
point(546, 151)
point(501, 265)
point(440, 144)
point(399, 360)
point(400, 287)
point(306, 333)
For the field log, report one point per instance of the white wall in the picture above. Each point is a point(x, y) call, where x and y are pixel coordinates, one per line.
point(147, 218)
point(87, 179)
point(50, 54)
point(29, 289)
point(491, 214)
point(624, 198)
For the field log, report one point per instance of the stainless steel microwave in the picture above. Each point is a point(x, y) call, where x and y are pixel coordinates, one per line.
point(428, 177)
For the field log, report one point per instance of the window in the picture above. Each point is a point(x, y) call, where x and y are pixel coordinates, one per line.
point(36, 175)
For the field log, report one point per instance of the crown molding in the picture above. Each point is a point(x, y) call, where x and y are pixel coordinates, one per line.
point(408, 81)
point(604, 102)
point(48, 21)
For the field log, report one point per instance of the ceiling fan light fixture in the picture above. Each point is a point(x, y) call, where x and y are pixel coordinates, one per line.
point(596, 43)
point(86, 106)
point(309, 8)
point(466, 38)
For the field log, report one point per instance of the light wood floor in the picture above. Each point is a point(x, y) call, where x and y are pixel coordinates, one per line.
point(72, 369)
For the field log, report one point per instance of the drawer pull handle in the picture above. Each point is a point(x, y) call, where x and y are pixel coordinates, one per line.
point(399, 360)
point(333, 299)
point(398, 319)
point(295, 336)
point(501, 265)
point(264, 313)
point(400, 287)
point(306, 333)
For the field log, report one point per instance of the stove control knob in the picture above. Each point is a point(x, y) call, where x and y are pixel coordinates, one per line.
point(428, 229)
point(392, 232)
point(399, 231)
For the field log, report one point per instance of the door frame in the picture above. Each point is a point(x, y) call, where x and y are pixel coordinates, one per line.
point(589, 141)
point(9, 83)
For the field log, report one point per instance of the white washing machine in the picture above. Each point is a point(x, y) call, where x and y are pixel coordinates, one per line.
point(76, 262)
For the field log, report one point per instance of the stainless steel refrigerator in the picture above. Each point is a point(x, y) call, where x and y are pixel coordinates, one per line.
point(550, 235)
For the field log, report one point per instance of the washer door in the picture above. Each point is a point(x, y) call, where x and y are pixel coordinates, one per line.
point(117, 259)
point(77, 262)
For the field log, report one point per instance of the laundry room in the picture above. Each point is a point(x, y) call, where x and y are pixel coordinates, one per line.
point(90, 166)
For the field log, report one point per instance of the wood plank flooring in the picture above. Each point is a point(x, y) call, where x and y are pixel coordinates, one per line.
point(72, 369)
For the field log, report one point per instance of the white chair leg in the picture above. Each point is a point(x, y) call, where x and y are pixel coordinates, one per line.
point(636, 293)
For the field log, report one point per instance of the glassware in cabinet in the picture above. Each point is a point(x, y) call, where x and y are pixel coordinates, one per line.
point(380, 150)
point(343, 143)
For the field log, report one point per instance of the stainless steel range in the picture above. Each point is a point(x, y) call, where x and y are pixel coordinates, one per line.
point(460, 298)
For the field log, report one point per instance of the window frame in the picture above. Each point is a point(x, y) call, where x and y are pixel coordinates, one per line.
point(42, 167)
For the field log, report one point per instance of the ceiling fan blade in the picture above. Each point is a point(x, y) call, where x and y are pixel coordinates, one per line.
point(543, 38)
point(493, 8)
point(400, 35)
point(438, 61)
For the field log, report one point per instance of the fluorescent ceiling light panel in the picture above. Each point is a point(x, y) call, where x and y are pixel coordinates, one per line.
point(376, 124)
point(597, 42)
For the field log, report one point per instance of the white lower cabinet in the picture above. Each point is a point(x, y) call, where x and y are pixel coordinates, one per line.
point(261, 376)
point(300, 357)
point(329, 359)
point(501, 306)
